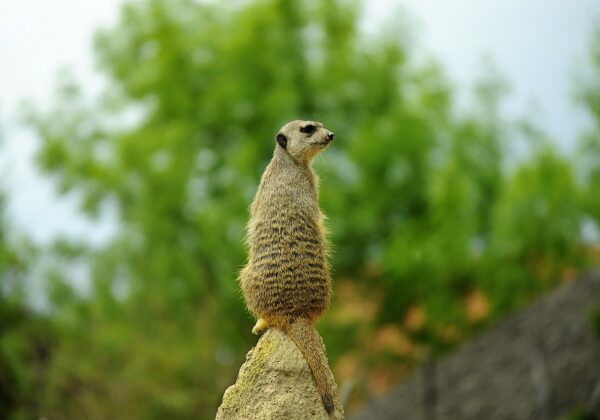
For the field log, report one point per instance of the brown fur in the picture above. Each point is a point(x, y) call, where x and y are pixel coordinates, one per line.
point(286, 282)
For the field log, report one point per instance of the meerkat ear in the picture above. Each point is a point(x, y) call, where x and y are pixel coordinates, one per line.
point(282, 140)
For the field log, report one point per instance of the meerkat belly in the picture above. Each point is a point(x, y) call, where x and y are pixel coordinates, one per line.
point(289, 270)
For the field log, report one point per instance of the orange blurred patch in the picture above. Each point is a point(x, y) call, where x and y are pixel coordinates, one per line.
point(568, 274)
point(352, 305)
point(382, 379)
point(415, 318)
point(347, 367)
point(390, 338)
point(596, 253)
point(477, 306)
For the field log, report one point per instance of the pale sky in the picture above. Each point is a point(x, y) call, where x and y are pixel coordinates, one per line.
point(537, 45)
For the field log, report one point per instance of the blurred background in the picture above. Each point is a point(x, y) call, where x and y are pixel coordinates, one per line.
point(464, 183)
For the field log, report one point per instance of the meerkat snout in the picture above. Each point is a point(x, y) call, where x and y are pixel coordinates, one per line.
point(330, 136)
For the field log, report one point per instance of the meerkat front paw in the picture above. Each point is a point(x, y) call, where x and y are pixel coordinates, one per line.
point(260, 326)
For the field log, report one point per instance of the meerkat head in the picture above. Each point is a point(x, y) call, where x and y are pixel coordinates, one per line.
point(303, 140)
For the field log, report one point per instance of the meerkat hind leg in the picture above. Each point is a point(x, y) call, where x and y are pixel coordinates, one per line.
point(260, 326)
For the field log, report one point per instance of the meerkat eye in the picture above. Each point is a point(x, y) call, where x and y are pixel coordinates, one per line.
point(308, 129)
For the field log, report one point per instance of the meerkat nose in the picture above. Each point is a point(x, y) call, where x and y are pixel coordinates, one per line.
point(330, 135)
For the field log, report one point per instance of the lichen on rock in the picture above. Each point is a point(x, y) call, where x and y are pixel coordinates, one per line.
point(275, 382)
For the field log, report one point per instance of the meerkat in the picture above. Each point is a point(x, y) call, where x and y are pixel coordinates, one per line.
point(286, 281)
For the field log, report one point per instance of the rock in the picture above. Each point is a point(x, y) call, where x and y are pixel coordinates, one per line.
point(275, 383)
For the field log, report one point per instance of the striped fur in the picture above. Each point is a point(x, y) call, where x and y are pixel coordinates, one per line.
point(286, 281)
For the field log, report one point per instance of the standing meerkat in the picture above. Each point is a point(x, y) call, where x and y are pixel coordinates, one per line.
point(286, 281)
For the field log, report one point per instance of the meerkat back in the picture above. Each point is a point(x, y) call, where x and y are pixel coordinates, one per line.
point(287, 275)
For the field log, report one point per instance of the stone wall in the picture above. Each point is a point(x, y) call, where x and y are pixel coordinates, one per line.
point(540, 363)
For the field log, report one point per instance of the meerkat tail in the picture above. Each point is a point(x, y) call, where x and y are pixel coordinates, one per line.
point(310, 344)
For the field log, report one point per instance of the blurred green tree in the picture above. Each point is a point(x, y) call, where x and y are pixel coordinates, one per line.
point(588, 168)
point(26, 337)
point(435, 225)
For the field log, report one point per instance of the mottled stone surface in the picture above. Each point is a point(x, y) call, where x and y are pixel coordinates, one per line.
point(275, 383)
point(542, 362)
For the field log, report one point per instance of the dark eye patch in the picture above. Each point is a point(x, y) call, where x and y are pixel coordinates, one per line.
point(308, 129)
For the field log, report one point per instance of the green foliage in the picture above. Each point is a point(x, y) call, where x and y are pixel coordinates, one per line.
point(589, 146)
point(435, 225)
point(26, 338)
point(26, 342)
